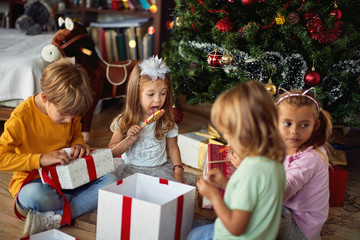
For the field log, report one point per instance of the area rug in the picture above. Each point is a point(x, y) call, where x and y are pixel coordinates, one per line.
point(343, 222)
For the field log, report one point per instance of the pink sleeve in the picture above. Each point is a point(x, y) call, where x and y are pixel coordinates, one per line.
point(298, 173)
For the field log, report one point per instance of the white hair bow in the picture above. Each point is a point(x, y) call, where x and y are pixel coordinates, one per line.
point(154, 67)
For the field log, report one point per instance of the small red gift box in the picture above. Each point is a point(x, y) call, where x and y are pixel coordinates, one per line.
point(337, 185)
point(217, 158)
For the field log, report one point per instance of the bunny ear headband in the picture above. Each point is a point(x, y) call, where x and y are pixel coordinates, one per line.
point(304, 94)
point(154, 67)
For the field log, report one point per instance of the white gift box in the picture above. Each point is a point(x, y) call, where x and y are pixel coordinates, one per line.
point(192, 149)
point(145, 207)
point(80, 171)
point(52, 234)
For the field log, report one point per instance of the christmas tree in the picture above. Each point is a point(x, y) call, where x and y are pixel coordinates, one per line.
point(217, 44)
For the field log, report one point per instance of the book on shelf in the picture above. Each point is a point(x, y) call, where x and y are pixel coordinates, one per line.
point(130, 4)
point(137, 4)
point(140, 32)
point(145, 46)
point(150, 49)
point(131, 40)
point(120, 38)
point(133, 22)
point(125, 4)
point(115, 51)
point(95, 36)
point(145, 4)
point(108, 46)
point(103, 43)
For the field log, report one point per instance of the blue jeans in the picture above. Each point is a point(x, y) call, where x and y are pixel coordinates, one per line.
point(204, 232)
point(40, 197)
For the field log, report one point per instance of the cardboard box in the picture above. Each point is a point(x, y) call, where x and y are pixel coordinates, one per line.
point(337, 185)
point(216, 159)
point(145, 207)
point(52, 234)
point(80, 171)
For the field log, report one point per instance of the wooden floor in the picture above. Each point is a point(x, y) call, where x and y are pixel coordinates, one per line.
point(342, 225)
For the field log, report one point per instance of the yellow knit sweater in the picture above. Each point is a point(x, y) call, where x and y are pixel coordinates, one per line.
point(29, 133)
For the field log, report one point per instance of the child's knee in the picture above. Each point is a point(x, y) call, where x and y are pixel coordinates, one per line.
point(40, 197)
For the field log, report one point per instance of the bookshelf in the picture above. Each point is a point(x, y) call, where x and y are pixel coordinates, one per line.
point(159, 18)
point(15, 9)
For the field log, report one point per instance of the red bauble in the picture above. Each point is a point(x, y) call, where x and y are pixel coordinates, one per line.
point(247, 2)
point(312, 78)
point(178, 115)
point(214, 59)
point(224, 25)
point(336, 13)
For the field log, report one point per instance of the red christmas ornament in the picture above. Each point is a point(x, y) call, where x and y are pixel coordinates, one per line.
point(312, 78)
point(336, 13)
point(247, 2)
point(178, 115)
point(224, 25)
point(214, 59)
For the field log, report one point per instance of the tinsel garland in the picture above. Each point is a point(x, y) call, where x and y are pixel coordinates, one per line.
point(294, 65)
point(317, 30)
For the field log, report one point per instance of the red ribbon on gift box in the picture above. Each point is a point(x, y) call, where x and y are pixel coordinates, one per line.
point(91, 167)
point(126, 214)
point(66, 217)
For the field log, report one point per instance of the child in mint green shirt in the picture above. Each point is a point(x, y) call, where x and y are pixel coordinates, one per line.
point(251, 208)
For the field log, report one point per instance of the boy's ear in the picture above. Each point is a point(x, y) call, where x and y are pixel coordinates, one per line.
point(43, 97)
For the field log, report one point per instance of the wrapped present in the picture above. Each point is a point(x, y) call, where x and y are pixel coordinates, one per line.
point(79, 171)
point(337, 185)
point(145, 207)
point(216, 157)
point(193, 146)
point(337, 157)
point(52, 234)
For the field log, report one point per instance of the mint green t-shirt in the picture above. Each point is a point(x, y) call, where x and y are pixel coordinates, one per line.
point(256, 186)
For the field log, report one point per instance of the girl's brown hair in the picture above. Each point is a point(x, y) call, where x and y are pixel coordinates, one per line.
point(322, 133)
point(67, 86)
point(247, 112)
point(131, 113)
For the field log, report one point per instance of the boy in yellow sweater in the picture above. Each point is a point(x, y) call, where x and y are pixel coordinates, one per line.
point(34, 136)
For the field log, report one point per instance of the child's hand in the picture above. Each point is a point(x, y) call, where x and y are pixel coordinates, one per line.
point(208, 189)
point(133, 133)
point(78, 151)
point(216, 177)
point(55, 157)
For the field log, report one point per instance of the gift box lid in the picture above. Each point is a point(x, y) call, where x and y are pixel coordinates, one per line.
point(52, 234)
point(142, 187)
point(336, 172)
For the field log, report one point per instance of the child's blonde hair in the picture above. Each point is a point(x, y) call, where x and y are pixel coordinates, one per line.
point(247, 112)
point(131, 113)
point(321, 134)
point(67, 86)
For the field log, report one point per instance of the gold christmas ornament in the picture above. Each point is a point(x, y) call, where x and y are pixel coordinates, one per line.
point(280, 20)
point(178, 21)
point(271, 87)
point(227, 59)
